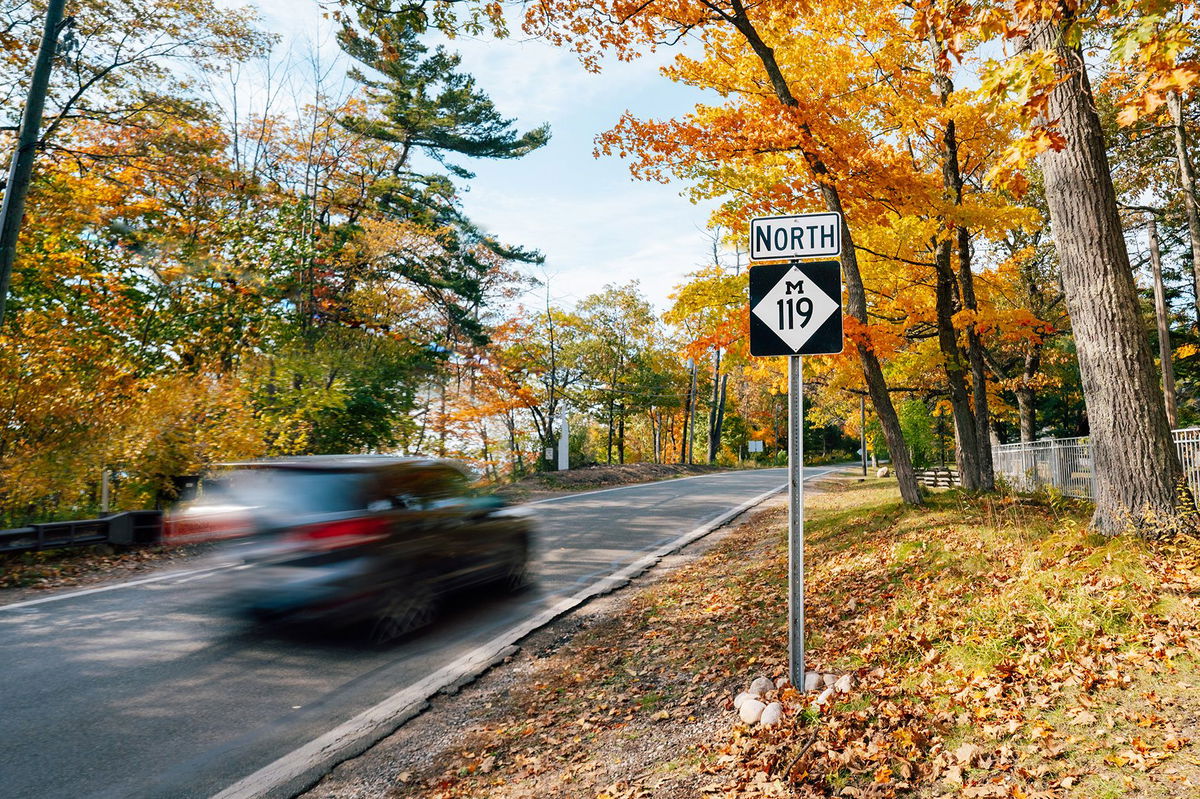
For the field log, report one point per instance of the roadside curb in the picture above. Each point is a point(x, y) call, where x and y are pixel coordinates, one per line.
point(302, 768)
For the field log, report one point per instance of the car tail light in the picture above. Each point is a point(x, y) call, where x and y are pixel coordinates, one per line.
point(200, 524)
point(341, 534)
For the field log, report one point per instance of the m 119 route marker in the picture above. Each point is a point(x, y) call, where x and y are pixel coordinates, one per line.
point(796, 310)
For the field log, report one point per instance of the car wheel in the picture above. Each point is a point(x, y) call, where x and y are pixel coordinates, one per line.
point(516, 571)
point(408, 607)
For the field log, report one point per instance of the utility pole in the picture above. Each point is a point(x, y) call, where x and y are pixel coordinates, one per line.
point(13, 209)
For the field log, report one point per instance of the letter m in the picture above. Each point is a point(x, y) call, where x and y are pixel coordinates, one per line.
point(798, 285)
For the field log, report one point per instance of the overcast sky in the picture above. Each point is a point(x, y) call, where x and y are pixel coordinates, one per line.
point(594, 223)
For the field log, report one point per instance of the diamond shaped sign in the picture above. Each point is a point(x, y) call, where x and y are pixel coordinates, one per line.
point(795, 309)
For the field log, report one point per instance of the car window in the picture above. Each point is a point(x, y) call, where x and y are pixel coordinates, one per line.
point(440, 486)
point(398, 487)
point(291, 490)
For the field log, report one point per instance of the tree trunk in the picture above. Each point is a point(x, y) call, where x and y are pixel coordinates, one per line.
point(12, 209)
point(1164, 330)
point(689, 438)
point(621, 436)
point(608, 456)
point(687, 415)
point(1187, 181)
point(720, 426)
point(1026, 410)
point(655, 434)
point(856, 295)
point(975, 465)
point(1135, 464)
point(1026, 395)
point(712, 404)
point(979, 385)
point(966, 451)
point(716, 410)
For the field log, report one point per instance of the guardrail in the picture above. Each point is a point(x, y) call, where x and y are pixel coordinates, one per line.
point(131, 528)
point(1066, 463)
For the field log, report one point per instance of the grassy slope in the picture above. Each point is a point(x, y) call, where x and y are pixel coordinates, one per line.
point(1000, 651)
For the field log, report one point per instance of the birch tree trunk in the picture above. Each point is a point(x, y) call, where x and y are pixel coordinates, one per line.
point(1134, 461)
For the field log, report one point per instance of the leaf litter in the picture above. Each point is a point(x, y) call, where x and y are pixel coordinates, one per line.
point(998, 650)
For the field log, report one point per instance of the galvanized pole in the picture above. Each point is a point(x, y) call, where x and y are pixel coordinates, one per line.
point(21, 170)
point(564, 440)
point(796, 520)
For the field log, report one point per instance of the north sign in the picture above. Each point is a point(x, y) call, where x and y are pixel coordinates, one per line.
point(796, 309)
point(778, 238)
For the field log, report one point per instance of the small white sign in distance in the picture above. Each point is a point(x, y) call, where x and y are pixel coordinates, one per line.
point(755, 445)
point(780, 238)
point(795, 308)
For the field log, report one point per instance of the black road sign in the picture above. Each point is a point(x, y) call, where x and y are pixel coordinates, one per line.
point(796, 308)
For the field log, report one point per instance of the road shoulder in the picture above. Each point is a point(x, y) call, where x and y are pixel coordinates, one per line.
point(558, 691)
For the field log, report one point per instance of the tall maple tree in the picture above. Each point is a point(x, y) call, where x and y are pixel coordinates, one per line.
point(742, 33)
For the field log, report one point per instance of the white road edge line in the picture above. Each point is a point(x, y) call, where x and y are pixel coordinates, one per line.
point(113, 587)
point(318, 757)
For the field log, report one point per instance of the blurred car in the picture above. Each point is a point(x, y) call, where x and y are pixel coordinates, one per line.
point(345, 539)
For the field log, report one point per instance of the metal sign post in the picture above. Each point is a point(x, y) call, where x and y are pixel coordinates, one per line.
point(796, 519)
point(796, 309)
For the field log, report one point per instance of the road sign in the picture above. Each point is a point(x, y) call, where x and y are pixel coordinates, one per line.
point(779, 238)
point(796, 309)
point(755, 446)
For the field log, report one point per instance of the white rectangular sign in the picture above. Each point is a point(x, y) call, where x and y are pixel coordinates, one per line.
point(779, 238)
point(755, 446)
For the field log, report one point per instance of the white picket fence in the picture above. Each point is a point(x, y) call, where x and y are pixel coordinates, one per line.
point(1066, 463)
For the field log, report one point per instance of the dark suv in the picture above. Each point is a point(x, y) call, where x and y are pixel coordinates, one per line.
point(340, 539)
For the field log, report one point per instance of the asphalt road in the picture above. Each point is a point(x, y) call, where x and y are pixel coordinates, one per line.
point(148, 690)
